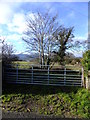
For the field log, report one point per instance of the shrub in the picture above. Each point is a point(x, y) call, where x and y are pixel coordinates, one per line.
point(86, 61)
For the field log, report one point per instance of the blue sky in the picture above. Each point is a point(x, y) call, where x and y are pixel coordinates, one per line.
point(12, 19)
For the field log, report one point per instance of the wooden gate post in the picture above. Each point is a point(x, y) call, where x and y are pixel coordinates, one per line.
point(88, 81)
point(83, 83)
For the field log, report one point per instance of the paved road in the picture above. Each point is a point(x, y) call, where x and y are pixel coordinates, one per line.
point(35, 116)
point(23, 115)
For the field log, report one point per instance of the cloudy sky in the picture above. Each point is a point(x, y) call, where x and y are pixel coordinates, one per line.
point(12, 19)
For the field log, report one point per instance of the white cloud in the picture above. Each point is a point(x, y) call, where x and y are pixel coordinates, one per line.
point(17, 24)
point(80, 38)
point(7, 10)
point(5, 13)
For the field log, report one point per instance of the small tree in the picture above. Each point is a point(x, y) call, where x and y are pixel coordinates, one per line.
point(86, 61)
point(64, 42)
point(7, 53)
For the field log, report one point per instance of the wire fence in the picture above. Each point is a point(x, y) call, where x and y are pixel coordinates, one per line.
point(43, 75)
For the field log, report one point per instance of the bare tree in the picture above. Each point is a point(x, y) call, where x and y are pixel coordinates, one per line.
point(7, 52)
point(39, 34)
point(44, 34)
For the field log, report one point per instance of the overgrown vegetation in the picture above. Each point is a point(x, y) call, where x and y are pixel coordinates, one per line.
point(58, 101)
point(86, 61)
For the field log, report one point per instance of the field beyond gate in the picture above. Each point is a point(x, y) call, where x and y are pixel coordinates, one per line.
point(42, 75)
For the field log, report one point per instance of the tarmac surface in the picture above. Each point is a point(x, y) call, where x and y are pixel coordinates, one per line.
point(32, 116)
point(7, 114)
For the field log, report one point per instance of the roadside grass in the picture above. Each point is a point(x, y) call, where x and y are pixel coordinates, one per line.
point(69, 102)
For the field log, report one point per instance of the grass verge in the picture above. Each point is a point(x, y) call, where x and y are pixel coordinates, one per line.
point(69, 102)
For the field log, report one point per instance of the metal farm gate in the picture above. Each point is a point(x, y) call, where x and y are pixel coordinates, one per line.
point(43, 75)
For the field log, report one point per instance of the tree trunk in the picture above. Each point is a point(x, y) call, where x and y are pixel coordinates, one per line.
point(42, 52)
point(39, 53)
point(48, 56)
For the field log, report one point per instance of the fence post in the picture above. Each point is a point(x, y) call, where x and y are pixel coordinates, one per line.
point(82, 76)
point(17, 74)
point(88, 81)
point(48, 75)
point(64, 76)
point(32, 74)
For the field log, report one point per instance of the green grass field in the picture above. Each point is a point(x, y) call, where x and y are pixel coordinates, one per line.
point(24, 64)
point(67, 102)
